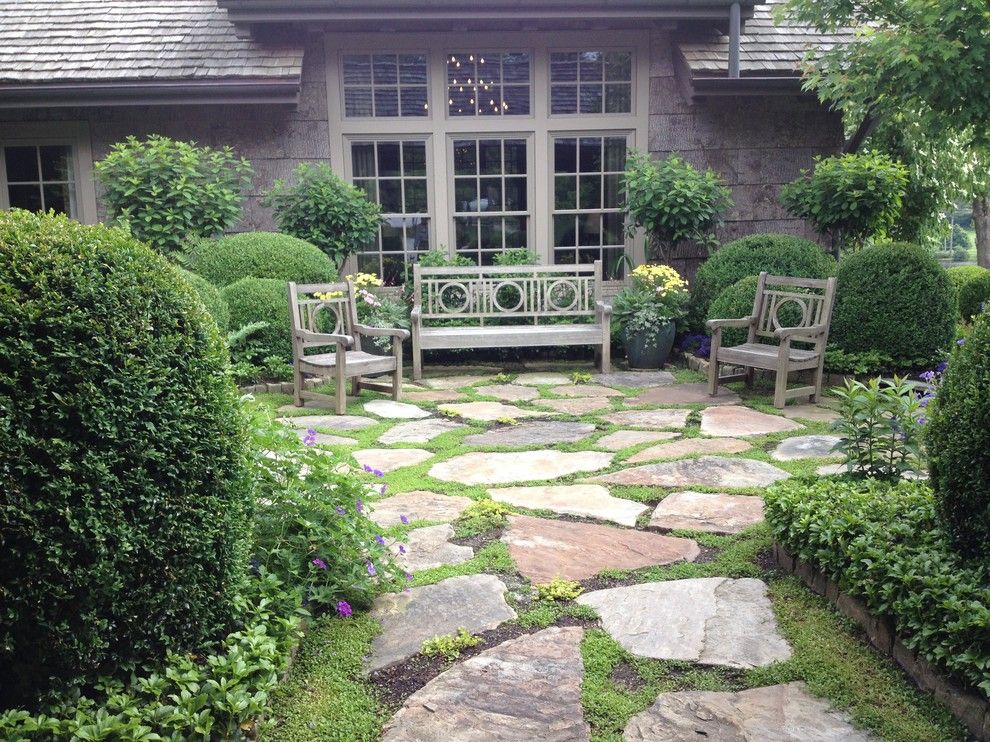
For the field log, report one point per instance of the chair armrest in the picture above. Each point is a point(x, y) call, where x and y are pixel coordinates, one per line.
point(715, 324)
point(786, 332)
point(381, 331)
point(323, 338)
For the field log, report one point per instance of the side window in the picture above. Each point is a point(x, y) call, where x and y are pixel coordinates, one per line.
point(385, 85)
point(39, 178)
point(591, 82)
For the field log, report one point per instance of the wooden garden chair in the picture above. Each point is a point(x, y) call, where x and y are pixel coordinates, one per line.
point(325, 315)
point(814, 299)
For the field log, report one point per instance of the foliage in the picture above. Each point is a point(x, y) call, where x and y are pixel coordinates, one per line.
point(210, 296)
point(879, 428)
point(325, 211)
point(517, 256)
point(580, 377)
point(777, 254)
point(262, 300)
point(960, 275)
point(896, 299)
point(974, 296)
point(449, 646)
point(259, 255)
point(378, 310)
point(866, 362)
point(885, 544)
point(249, 359)
point(658, 296)
point(958, 439)
point(124, 496)
point(438, 258)
point(559, 589)
point(481, 516)
point(673, 201)
point(168, 192)
point(852, 198)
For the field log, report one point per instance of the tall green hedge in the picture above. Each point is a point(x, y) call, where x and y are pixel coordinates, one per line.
point(124, 495)
point(974, 296)
point(262, 300)
point(259, 255)
point(211, 298)
point(895, 299)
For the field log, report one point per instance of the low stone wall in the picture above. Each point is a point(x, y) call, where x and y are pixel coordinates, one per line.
point(277, 387)
point(966, 703)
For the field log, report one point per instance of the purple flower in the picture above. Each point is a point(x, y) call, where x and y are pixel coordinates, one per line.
point(340, 510)
point(376, 472)
point(404, 519)
point(408, 577)
point(368, 468)
point(381, 488)
point(927, 376)
point(310, 439)
point(320, 563)
point(371, 570)
point(359, 505)
point(402, 549)
point(961, 341)
point(380, 540)
point(344, 608)
point(940, 368)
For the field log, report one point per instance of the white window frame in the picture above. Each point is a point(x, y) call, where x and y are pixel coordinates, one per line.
point(539, 126)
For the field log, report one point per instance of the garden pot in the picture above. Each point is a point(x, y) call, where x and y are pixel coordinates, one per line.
point(649, 349)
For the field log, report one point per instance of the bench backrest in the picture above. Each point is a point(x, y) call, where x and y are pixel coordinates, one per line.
point(524, 291)
point(322, 308)
point(809, 300)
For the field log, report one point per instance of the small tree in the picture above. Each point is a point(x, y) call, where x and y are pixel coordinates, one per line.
point(324, 210)
point(168, 191)
point(850, 198)
point(673, 201)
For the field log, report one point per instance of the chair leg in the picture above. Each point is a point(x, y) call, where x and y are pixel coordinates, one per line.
point(750, 376)
point(297, 386)
point(356, 386)
point(340, 395)
point(779, 398)
point(816, 381)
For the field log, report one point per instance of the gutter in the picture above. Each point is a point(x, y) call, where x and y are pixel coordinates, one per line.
point(724, 87)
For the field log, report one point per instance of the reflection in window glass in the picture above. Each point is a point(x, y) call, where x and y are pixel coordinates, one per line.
point(385, 85)
point(481, 84)
point(591, 82)
point(39, 178)
point(393, 174)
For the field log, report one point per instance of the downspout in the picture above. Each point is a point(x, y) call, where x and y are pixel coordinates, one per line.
point(735, 32)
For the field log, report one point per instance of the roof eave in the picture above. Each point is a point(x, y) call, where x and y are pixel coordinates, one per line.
point(721, 87)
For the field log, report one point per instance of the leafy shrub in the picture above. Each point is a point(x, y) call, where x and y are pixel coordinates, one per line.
point(878, 424)
point(168, 192)
point(259, 255)
point(777, 254)
point(266, 300)
point(481, 516)
point(851, 197)
point(449, 646)
point(559, 589)
point(123, 488)
point(960, 275)
point(974, 296)
point(958, 438)
point(326, 211)
point(517, 256)
point(211, 298)
point(438, 258)
point(886, 545)
point(673, 201)
point(895, 299)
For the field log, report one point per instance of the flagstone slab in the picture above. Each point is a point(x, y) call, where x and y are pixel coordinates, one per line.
point(706, 471)
point(733, 420)
point(537, 433)
point(694, 393)
point(419, 431)
point(541, 378)
point(435, 395)
point(575, 406)
point(458, 381)
point(828, 470)
point(710, 620)
point(624, 438)
point(390, 459)
point(586, 390)
point(418, 505)
point(636, 379)
point(394, 410)
point(705, 511)
point(588, 500)
point(782, 713)
point(508, 392)
point(813, 412)
point(689, 447)
point(489, 411)
point(805, 447)
point(528, 688)
point(330, 422)
point(430, 547)
point(322, 439)
point(521, 466)
point(474, 602)
point(543, 549)
point(649, 418)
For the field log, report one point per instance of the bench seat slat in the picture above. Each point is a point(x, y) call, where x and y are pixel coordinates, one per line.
point(434, 338)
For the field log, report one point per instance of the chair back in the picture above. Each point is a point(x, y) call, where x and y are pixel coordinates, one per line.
point(320, 308)
point(809, 300)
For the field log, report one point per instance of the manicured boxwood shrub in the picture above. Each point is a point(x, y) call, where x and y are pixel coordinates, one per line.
point(778, 254)
point(262, 300)
point(211, 298)
point(895, 299)
point(737, 301)
point(124, 492)
point(974, 295)
point(259, 255)
point(958, 437)
point(885, 544)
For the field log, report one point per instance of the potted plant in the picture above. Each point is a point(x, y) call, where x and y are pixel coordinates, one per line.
point(377, 309)
point(646, 312)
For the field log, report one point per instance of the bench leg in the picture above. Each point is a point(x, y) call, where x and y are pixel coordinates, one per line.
point(712, 377)
point(297, 386)
point(417, 358)
point(606, 364)
point(397, 374)
point(780, 389)
point(750, 376)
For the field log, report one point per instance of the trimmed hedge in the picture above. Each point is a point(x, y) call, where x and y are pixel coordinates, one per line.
point(895, 299)
point(885, 545)
point(974, 296)
point(958, 438)
point(778, 254)
point(124, 493)
point(262, 300)
point(259, 255)
point(211, 298)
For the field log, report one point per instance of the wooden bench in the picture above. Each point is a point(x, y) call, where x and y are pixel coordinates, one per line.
point(324, 315)
point(503, 307)
point(813, 299)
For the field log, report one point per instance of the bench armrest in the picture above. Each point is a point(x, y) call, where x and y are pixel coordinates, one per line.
point(381, 331)
point(603, 309)
point(416, 314)
point(323, 338)
point(786, 332)
point(715, 324)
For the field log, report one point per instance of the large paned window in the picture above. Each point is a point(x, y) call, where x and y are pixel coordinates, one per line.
point(39, 178)
point(394, 175)
point(493, 84)
point(385, 85)
point(591, 82)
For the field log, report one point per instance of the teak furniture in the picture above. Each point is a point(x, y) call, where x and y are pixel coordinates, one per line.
point(503, 307)
point(323, 315)
point(813, 299)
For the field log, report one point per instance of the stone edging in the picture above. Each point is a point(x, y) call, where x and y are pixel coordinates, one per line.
point(276, 387)
point(967, 704)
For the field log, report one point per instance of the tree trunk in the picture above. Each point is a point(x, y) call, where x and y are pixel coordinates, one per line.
point(981, 223)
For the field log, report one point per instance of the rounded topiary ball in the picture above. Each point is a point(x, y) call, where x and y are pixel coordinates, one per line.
point(777, 254)
point(894, 299)
point(124, 495)
point(737, 301)
point(958, 441)
point(259, 255)
point(262, 300)
point(974, 295)
point(211, 298)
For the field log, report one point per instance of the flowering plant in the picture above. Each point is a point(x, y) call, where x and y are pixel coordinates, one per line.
point(658, 295)
point(377, 310)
